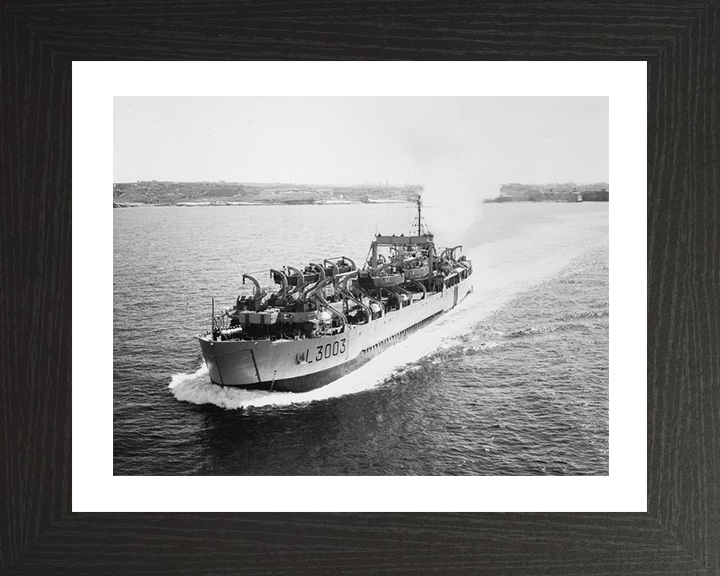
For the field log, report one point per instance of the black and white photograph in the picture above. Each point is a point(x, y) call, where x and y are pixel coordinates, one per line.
point(429, 183)
point(361, 286)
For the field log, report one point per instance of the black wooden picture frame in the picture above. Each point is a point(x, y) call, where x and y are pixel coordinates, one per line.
point(680, 533)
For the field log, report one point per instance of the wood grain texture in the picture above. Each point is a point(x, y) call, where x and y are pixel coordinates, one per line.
point(681, 531)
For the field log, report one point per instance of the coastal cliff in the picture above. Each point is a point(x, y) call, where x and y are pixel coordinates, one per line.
point(156, 193)
point(567, 192)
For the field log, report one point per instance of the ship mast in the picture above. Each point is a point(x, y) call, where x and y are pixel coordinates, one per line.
point(419, 206)
point(418, 221)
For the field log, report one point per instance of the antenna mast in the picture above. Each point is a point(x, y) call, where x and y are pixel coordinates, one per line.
point(418, 221)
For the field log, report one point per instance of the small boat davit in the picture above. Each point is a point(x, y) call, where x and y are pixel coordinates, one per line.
point(330, 318)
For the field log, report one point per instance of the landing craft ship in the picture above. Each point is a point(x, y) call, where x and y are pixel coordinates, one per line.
point(331, 317)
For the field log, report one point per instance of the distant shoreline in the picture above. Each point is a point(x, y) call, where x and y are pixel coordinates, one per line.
point(194, 194)
point(156, 193)
point(558, 192)
point(280, 203)
point(502, 200)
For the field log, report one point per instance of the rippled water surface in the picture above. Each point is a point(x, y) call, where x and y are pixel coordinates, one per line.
point(514, 381)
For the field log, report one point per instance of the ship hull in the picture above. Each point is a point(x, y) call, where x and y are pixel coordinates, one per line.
point(306, 364)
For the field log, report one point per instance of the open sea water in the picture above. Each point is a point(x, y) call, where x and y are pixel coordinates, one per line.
point(513, 381)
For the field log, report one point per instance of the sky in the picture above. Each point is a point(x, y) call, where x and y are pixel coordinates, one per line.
point(471, 145)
